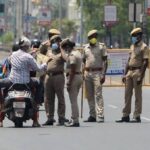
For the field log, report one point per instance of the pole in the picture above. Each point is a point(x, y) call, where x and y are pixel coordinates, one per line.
point(109, 28)
point(144, 24)
point(81, 43)
point(60, 16)
point(134, 23)
point(27, 15)
point(81, 22)
point(110, 37)
point(18, 18)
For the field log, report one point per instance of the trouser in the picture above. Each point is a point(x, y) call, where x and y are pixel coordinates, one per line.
point(73, 94)
point(93, 89)
point(6, 83)
point(42, 79)
point(131, 83)
point(54, 85)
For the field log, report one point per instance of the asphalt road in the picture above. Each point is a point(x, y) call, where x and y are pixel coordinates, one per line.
point(90, 136)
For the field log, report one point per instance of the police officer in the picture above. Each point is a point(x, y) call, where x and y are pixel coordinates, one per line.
point(134, 74)
point(74, 78)
point(51, 33)
point(54, 82)
point(95, 59)
point(45, 46)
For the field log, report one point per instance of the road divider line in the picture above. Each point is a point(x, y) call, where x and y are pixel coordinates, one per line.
point(145, 118)
point(112, 106)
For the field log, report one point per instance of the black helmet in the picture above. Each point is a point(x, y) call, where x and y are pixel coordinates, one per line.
point(35, 43)
point(15, 46)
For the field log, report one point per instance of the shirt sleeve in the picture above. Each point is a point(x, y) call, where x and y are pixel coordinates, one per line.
point(35, 66)
point(72, 59)
point(146, 53)
point(104, 50)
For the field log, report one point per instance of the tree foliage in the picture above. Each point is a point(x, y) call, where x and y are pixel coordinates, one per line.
point(68, 27)
point(7, 37)
point(93, 12)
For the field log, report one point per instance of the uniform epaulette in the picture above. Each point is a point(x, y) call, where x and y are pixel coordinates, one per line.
point(86, 45)
point(103, 44)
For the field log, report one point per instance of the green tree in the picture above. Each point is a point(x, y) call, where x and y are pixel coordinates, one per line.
point(7, 38)
point(68, 27)
point(93, 12)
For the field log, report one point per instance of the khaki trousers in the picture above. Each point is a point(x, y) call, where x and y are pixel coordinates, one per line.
point(131, 83)
point(73, 94)
point(94, 92)
point(54, 85)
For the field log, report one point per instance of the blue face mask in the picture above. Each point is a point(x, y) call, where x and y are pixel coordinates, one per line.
point(134, 39)
point(54, 46)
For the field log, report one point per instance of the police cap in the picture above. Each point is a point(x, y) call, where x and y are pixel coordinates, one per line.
point(55, 38)
point(54, 31)
point(90, 33)
point(136, 31)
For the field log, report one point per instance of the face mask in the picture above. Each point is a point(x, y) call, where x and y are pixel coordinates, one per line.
point(54, 46)
point(134, 40)
point(93, 41)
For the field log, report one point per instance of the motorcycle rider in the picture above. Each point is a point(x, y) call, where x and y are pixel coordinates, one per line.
point(21, 65)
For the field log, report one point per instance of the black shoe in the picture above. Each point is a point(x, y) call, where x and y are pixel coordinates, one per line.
point(61, 121)
point(90, 119)
point(54, 120)
point(72, 124)
point(100, 119)
point(123, 119)
point(66, 120)
point(36, 124)
point(136, 120)
point(48, 123)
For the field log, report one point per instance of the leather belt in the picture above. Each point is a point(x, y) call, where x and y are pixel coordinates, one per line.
point(134, 68)
point(93, 69)
point(67, 74)
point(54, 73)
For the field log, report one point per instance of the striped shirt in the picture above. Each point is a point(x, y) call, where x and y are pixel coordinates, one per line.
point(21, 65)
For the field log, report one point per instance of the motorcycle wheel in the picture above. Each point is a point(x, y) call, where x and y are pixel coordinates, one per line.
point(18, 124)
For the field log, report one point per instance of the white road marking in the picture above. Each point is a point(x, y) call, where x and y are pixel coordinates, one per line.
point(145, 118)
point(112, 106)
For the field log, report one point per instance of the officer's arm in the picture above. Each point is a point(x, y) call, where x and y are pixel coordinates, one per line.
point(63, 54)
point(105, 65)
point(71, 74)
point(143, 68)
point(145, 62)
point(127, 67)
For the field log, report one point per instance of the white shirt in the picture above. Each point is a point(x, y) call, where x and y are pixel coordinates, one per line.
point(21, 65)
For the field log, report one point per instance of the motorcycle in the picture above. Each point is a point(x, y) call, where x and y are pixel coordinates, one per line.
point(19, 104)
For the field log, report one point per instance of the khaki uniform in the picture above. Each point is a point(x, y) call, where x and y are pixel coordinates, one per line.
point(138, 53)
point(93, 57)
point(76, 59)
point(54, 85)
point(40, 58)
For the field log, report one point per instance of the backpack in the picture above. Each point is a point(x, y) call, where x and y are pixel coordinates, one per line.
point(4, 68)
